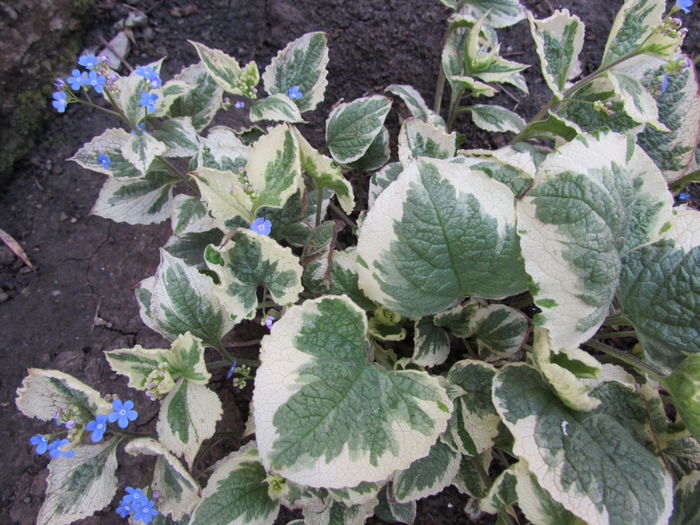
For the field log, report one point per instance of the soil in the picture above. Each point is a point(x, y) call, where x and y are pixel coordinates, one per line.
point(80, 301)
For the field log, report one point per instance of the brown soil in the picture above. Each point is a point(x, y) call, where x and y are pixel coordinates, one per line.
point(79, 301)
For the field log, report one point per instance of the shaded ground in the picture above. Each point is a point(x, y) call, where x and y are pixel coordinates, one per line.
point(80, 300)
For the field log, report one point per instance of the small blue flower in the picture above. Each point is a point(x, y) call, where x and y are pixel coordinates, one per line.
point(124, 509)
point(294, 92)
point(148, 101)
point(147, 512)
point(96, 80)
point(104, 159)
point(41, 443)
point(145, 71)
point(684, 196)
point(261, 226)
point(59, 101)
point(239, 104)
point(664, 83)
point(231, 370)
point(139, 129)
point(58, 83)
point(135, 498)
point(684, 5)
point(123, 413)
point(55, 449)
point(269, 321)
point(89, 61)
point(97, 426)
point(156, 82)
point(76, 80)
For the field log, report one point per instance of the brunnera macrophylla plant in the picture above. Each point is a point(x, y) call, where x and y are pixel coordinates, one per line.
point(464, 332)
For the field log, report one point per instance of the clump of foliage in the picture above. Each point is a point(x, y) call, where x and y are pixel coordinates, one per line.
point(462, 333)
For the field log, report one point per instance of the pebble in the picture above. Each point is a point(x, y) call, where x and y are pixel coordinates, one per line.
point(136, 18)
point(121, 46)
point(147, 34)
point(3, 296)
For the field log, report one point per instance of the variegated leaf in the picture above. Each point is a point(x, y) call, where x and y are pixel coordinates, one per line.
point(128, 94)
point(278, 108)
point(637, 102)
point(634, 23)
point(179, 137)
point(226, 72)
point(431, 344)
point(141, 150)
point(415, 104)
point(110, 142)
point(301, 64)
point(315, 377)
point(502, 493)
point(179, 299)
point(381, 179)
point(684, 386)
point(202, 101)
point(317, 257)
point(250, 260)
point(420, 139)
point(686, 503)
point(222, 150)
point(78, 487)
point(139, 201)
point(190, 246)
point(390, 510)
point(45, 392)
point(376, 156)
point(179, 492)
point(499, 329)
point(357, 495)
point(499, 13)
point(320, 512)
point(511, 170)
point(427, 476)
point(226, 195)
point(352, 127)
point(591, 204)
point(138, 363)
point(438, 233)
point(536, 503)
point(587, 462)
point(236, 493)
point(189, 214)
point(188, 416)
point(498, 119)
point(551, 127)
point(344, 277)
point(559, 40)
point(456, 319)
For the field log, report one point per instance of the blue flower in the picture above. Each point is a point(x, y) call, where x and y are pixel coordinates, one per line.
point(96, 80)
point(135, 498)
point(239, 104)
point(684, 196)
point(294, 92)
point(123, 413)
point(664, 83)
point(55, 449)
point(147, 512)
point(59, 101)
point(89, 61)
point(104, 159)
point(231, 370)
point(139, 129)
point(261, 226)
point(58, 83)
point(148, 101)
point(97, 426)
point(76, 80)
point(269, 321)
point(150, 74)
point(684, 5)
point(124, 509)
point(41, 442)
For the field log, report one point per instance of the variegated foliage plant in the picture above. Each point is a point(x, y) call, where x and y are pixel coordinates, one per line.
point(468, 337)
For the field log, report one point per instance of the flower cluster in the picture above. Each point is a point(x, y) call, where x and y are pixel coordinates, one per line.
point(43, 444)
point(122, 413)
point(95, 77)
point(158, 383)
point(148, 100)
point(137, 505)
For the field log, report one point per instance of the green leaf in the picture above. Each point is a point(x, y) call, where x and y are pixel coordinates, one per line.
point(325, 172)
point(658, 292)
point(45, 392)
point(381, 179)
point(318, 352)
point(222, 150)
point(559, 40)
point(428, 475)
point(128, 94)
point(141, 150)
point(637, 102)
point(138, 363)
point(179, 492)
point(456, 319)
point(78, 487)
point(190, 246)
point(343, 278)
point(634, 23)
point(141, 201)
point(684, 386)
point(686, 502)
point(320, 511)
point(179, 299)
point(352, 127)
point(587, 462)
point(431, 344)
point(289, 224)
point(536, 503)
point(513, 168)
point(201, 102)
point(415, 104)
point(179, 136)
point(502, 493)
point(110, 142)
point(279, 108)
point(317, 256)
point(420, 139)
point(187, 417)
point(469, 480)
point(274, 168)
point(301, 64)
point(227, 73)
point(499, 13)
point(236, 493)
point(186, 359)
point(430, 239)
point(491, 117)
point(591, 204)
point(226, 195)
point(499, 329)
point(189, 214)
point(250, 260)
point(376, 156)
point(552, 127)
point(388, 509)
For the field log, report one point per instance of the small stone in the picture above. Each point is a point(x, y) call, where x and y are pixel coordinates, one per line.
point(63, 217)
point(121, 46)
point(136, 18)
point(147, 33)
point(3, 296)
point(25, 269)
point(27, 500)
point(73, 220)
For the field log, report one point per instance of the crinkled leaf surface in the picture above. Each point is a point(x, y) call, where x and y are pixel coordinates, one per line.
point(428, 475)
point(110, 142)
point(179, 136)
point(637, 101)
point(344, 278)
point(381, 179)
point(431, 344)
point(684, 386)
point(226, 72)
point(590, 205)
point(536, 503)
point(439, 232)
point(499, 329)
point(179, 299)
point(236, 493)
point(421, 139)
point(686, 503)
point(325, 415)
point(588, 462)
point(559, 40)
point(79, 486)
point(415, 104)
point(496, 118)
point(352, 127)
point(301, 64)
point(179, 492)
point(633, 24)
point(279, 108)
point(250, 260)
point(141, 150)
point(222, 150)
point(201, 102)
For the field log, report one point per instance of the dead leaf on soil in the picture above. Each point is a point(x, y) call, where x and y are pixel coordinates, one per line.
point(13, 245)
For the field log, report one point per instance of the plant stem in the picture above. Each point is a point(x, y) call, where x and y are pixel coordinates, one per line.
point(340, 213)
point(239, 361)
point(93, 105)
point(224, 353)
point(454, 104)
point(625, 357)
point(612, 334)
point(617, 320)
point(319, 203)
point(179, 173)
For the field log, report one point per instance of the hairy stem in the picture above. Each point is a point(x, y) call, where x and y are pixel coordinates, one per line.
point(340, 213)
